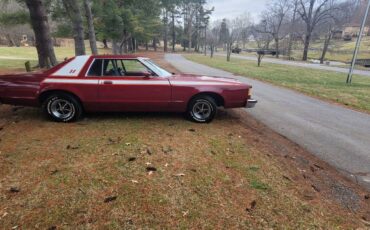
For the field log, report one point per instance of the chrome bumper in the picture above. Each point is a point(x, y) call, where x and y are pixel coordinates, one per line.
point(251, 103)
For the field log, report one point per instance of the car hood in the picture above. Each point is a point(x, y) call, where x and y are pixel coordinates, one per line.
point(204, 79)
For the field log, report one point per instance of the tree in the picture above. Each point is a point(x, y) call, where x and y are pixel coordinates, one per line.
point(224, 33)
point(292, 28)
point(213, 37)
point(273, 20)
point(263, 42)
point(40, 25)
point(312, 13)
point(235, 29)
point(342, 13)
point(90, 25)
point(73, 11)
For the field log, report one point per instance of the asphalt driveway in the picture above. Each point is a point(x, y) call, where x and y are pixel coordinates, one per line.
point(338, 135)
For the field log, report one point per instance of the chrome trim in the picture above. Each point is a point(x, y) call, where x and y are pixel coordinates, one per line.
point(251, 103)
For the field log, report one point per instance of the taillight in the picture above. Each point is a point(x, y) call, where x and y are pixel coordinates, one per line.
point(250, 92)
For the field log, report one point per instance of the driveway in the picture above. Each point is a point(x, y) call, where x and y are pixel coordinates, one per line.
point(299, 64)
point(335, 134)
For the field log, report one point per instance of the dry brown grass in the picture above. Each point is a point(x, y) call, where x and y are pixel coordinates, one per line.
point(232, 173)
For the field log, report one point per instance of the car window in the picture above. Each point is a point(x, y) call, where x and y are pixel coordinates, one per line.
point(134, 66)
point(110, 68)
point(124, 67)
point(96, 68)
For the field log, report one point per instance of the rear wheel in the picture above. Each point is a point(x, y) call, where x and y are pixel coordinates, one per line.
point(62, 107)
point(202, 109)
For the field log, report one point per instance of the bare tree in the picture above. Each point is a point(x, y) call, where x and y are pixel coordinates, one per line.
point(73, 11)
point(91, 28)
point(273, 19)
point(292, 28)
point(40, 25)
point(213, 37)
point(263, 42)
point(312, 13)
point(235, 29)
point(190, 8)
point(342, 13)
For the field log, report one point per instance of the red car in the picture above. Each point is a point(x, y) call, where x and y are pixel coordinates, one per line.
point(121, 83)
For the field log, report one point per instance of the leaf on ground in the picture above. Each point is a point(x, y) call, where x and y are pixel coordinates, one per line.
point(72, 147)
point(14, 189)
point(191, 130)
point(151, 169)
point(252, 205)
point(110, 199)
point(131, 159)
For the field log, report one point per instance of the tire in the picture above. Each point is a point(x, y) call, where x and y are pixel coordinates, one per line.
point(62, 107)
point(195, 112)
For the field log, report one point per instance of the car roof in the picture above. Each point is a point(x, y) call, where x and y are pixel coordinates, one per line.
point(131, 56)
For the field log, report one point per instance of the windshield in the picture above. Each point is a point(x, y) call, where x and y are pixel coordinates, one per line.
point(158, 70)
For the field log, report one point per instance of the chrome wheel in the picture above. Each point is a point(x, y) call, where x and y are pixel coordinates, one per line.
point(202, 110)
point(62, 109)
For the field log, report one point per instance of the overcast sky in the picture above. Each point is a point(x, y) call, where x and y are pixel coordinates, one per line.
point(233, 8)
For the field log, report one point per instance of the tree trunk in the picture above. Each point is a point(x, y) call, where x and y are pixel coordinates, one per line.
point(189, 36)
point(228, 51)
point(74, 13)
point(326, 46)
point(292, 27)
point(90, 24)
point(173, 32)
point(114, 47)
point(259, 59)
point(146, 46)
point(105, 43)
point(40, 26)
point(155, 44)
point(277, 47)
point(205, 41)
point(306, 45)
point(212, 50)
point(165, 30)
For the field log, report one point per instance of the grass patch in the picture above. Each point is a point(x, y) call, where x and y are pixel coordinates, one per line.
point(259, 185)
point(15, 57)
point(322, 84)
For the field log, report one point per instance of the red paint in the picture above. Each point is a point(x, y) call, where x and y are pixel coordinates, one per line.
point(121, 93)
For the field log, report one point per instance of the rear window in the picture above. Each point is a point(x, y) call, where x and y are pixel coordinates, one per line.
point(96, 68)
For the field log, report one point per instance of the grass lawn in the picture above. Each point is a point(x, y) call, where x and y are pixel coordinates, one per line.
point(15, 57)
point(322, 84)
point(120, 171)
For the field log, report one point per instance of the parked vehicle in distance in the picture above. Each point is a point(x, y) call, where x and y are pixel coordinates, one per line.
point(121, 83)
point(236, 50)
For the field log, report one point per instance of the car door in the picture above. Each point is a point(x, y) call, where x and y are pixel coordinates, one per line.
point(128, 85)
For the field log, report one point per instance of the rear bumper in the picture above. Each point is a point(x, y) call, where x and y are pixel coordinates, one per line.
point(251, 103)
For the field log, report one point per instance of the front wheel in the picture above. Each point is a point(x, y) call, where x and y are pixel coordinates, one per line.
point(62, 108)
point(202, 109)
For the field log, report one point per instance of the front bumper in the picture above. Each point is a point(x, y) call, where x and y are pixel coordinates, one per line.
point(251, 103)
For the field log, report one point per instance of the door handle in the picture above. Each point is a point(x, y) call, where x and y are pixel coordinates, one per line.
point(107, 82)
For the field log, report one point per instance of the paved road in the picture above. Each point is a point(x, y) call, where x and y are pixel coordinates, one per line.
point(299, 64)
point(337, 135)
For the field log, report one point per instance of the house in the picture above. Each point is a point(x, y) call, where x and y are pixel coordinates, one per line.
point(354, 30)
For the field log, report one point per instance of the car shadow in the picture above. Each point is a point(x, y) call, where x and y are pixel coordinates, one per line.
point(18, 113)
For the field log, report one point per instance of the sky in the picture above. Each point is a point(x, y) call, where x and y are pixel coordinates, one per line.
point(233, 8)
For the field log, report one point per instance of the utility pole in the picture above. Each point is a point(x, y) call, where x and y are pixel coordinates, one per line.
point(355, 53)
